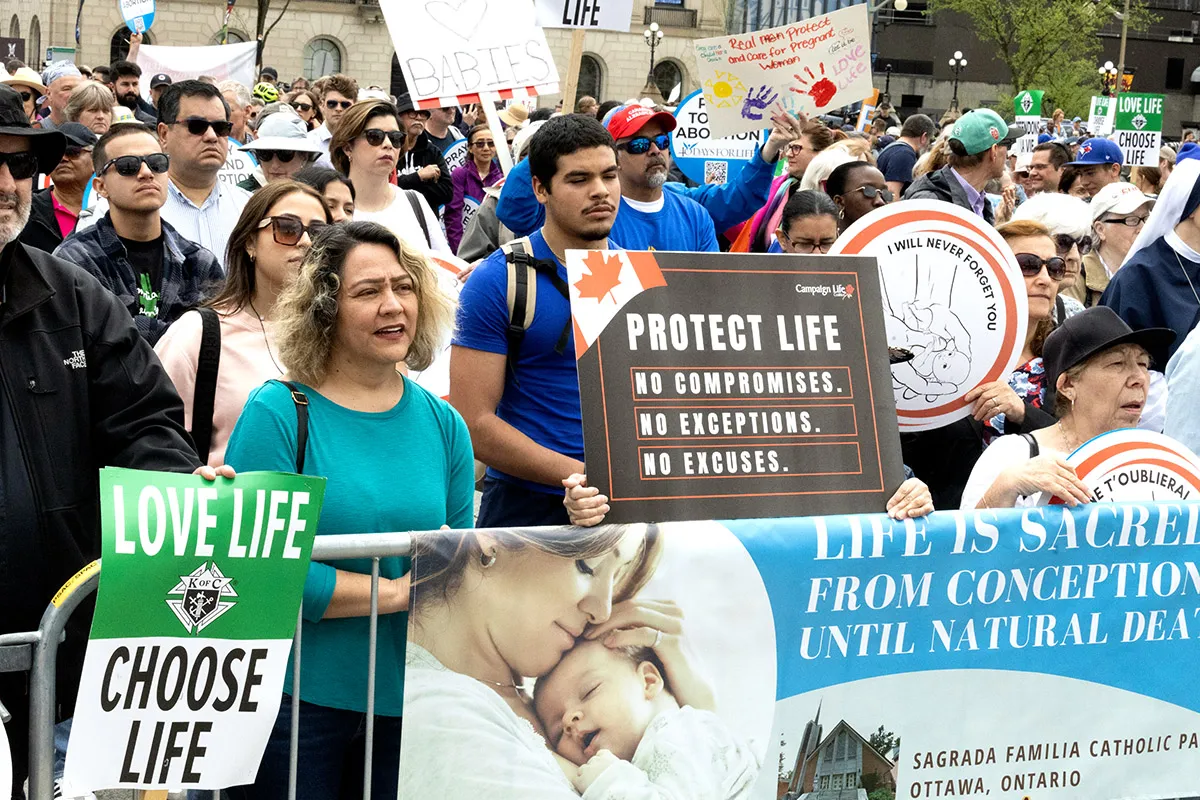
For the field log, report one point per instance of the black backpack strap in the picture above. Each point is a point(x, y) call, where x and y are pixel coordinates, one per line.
point(301, 401)
point(205, 393)
point(550, 270)
point(522, 299)
point(1060, 309)
point(415, 202)
point(1034, 449)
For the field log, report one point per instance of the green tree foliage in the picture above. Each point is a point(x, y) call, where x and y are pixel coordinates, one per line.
point(1046, 44)
point(884, 742)
point(882, 794)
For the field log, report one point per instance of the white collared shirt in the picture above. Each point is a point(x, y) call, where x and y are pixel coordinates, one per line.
point(209, 224)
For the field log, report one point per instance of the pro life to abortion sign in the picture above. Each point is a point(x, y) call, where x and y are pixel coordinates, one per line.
point(199, 592)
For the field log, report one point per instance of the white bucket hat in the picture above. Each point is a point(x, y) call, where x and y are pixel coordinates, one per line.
point(283, 131)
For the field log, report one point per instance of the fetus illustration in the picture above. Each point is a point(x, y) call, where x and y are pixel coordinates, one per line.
point(926, 326)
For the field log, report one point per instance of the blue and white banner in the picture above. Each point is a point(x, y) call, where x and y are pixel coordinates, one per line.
point(138, 14)
point(1035, 654)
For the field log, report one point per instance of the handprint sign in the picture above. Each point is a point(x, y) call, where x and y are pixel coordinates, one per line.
point(821, 91)
point(757, 101)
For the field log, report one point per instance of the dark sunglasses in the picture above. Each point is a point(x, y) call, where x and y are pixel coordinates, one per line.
point(1063, 243)
point(342, 104)
point(75, 151)
point(1031, 266)
point(20, 165)
point(641, 144)
point(128, 166)
point(375, 137)
point(26, 96)
point(287, 229)
point(284, 156)
point(483, 143)
point(1132, 221)
point(302, 106)
point(870, 192)
point(198, 126)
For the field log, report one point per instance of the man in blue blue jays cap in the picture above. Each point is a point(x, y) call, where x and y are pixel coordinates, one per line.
point(1098, 164)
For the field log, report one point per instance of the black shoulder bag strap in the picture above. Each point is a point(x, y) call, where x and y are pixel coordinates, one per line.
point(414, 201)
point(301, 401)
point(205, 393)
point(1060, 309)
point(1034, 449)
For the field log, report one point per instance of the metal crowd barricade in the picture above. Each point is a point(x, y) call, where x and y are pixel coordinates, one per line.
point(37, 652)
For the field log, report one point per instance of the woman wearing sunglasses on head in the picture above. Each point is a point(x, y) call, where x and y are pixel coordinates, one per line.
point(857, 189)
point(365, 148)
point(266, 249)
point(479, 172)
point(809, 224)
point(282, 149)
point(1068, 221)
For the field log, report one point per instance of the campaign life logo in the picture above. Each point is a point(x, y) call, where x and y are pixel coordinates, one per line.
point(1139, 122)
point(199, 598)
point(1026, 102)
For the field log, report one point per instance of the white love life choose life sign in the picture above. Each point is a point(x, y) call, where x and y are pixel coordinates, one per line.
point(597, 15)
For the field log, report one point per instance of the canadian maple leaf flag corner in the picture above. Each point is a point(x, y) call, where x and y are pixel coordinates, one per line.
point(602, 282)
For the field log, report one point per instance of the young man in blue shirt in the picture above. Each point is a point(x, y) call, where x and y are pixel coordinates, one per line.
point(525, 422)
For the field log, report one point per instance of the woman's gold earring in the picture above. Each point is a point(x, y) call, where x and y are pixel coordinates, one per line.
point(487, 559)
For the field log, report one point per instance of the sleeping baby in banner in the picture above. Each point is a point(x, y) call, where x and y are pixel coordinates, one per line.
point(611, 712)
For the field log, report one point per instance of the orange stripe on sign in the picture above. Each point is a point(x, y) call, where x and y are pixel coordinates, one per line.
point(1085, 469)
point(646, 269)
point(580, 343)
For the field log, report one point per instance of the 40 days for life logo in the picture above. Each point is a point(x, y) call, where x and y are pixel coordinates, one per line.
point(199, 598)
point(953, 296)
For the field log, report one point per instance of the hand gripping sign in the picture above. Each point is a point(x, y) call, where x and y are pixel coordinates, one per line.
point(953, 295)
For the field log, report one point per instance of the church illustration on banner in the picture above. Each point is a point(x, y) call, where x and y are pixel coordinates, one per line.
point(841, 766)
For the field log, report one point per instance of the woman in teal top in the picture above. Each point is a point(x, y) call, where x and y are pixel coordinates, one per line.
point(396, 458)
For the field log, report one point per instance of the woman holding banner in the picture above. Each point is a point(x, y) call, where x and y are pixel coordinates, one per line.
point(1099, 367)
point(362, 303)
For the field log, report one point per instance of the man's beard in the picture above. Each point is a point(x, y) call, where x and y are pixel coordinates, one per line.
point(129, 100)
point(9, 231)
point(655, 180)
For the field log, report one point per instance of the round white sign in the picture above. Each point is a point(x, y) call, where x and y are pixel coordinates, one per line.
point(1137, 466)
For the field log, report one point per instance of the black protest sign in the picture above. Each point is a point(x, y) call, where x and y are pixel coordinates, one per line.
point(723, 386)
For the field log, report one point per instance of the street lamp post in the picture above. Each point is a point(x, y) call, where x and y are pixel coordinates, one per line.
point(887, 83)
point(873, 10)
point(652, 36)
point(1108, 78)
point(958, 64)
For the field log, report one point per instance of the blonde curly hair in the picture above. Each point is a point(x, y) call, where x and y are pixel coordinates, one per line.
point(307, 310)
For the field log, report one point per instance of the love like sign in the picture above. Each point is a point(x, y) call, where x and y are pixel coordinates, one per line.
point(452, 51)
point(814, 66)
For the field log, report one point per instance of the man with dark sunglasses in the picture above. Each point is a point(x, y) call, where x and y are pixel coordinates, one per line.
point(55, 210)
point(79, 390)
point(193, 129)
point(339, 94)
point(136, 254)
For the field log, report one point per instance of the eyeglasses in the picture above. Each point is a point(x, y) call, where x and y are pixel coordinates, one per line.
point(1131, 221)
point(128, 166)
point(284, 156)
point(1063, 243)
point(1031, 266)
point(484, 143)
point(302, 106)
point(342, 104)
point(74, 151)
point(198, 126)
point(641, 144)
point(26, 96)
point(419, 113)
point(20, 165)
point(807, 245)
point(870, 192)
point(287, 229)
point(375, 137)
point(794, 149)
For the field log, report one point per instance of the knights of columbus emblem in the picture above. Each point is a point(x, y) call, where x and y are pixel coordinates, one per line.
point(201, 597)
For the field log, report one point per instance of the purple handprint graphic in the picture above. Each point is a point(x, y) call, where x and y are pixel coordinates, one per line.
point(757, 100)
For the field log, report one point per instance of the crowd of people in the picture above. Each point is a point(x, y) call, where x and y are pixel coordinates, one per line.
point(178, 322)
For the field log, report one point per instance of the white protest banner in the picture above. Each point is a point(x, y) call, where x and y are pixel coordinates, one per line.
point(450, 51)
point(239, 165)
point(138, 14)
point(703, 158)
point(812, 66)
point(953, 296)
point(195, 613)
point(1137, 466)
point(1100, 116)
point(1028, 109)
point(222, 61)
point(1138, 128)
point(436, 377)
point(597, 15)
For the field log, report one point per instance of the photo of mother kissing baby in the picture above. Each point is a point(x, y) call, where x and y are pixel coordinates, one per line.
point(539, 667)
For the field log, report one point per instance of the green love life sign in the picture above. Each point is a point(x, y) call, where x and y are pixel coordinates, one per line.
point(1027, 111)
point(1138, 127)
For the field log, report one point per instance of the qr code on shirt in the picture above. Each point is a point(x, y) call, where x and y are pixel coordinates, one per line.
point(716, 171)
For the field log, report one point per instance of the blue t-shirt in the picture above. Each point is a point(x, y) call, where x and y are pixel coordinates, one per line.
point(896, 162)
point(407, 469)
point(682, 224)
point(543, 400)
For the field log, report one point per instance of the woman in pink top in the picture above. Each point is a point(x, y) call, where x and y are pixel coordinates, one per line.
point(266, 248)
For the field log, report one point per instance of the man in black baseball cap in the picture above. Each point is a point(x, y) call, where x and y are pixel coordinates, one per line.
point(157, 84)
point(79, 390)
point(54, 211)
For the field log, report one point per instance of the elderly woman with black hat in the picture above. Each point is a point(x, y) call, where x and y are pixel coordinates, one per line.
point(1099, 368)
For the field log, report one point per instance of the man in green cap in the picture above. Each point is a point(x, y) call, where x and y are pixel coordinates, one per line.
point(979, 143)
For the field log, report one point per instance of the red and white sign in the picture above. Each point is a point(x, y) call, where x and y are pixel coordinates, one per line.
point(953, 295)
point(602, 282)
point(1137, 466)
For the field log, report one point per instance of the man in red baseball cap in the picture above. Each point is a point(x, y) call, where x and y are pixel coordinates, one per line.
point(649, 218)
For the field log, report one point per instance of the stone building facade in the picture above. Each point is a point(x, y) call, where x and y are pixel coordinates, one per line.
point(316, 37)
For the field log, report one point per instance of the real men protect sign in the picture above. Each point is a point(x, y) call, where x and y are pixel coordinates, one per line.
point(1138, 128)
point(199, 592)
point(724, 386)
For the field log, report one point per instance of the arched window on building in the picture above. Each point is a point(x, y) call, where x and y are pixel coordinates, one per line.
point(33, 53)
point(118, 46)
point(14, 28)
point(321, 57)
point(591, 78)
point(233, 37)
point(668, 75)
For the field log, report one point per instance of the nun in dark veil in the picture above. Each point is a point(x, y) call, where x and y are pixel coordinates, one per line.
point(1158, 285)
